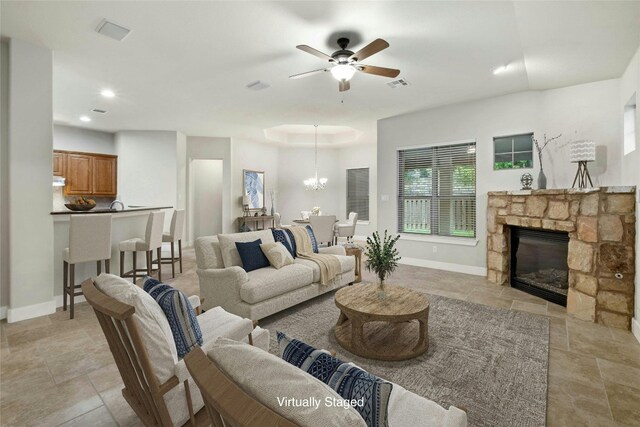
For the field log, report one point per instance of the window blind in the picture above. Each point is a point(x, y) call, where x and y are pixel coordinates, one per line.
point(358, 192)
point(437, 190)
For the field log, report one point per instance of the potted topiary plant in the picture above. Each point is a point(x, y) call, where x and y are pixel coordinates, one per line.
point(382, 256)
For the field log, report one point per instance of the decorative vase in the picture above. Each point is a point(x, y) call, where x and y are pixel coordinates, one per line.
point(381, 293)
point(273, 211)
point(542, 180)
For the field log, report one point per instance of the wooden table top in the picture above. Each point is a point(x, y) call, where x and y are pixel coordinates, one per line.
point(364, 299)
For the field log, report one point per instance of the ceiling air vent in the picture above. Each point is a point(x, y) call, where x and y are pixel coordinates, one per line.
point(97, 110)
point(113, 31)
point(257, 85)
point(398, 83)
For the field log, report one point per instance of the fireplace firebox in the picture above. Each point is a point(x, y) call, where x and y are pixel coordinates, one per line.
point(539, 263)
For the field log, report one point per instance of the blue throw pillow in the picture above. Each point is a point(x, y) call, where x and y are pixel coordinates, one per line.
point(284, 237)
point(346, 379)
point(180, 315)
point(292, 242)
point(251, 255)
point(314, 242)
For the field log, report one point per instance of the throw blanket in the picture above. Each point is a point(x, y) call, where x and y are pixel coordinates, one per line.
point(329, 264)
point(180, 315)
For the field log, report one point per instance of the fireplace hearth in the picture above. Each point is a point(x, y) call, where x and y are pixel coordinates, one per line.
point(539, 263)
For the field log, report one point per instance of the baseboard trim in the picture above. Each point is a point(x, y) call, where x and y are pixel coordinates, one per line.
point(59, 302)
point(635, 328)
point(446, 266)
point(36, 310)
point(31, 311)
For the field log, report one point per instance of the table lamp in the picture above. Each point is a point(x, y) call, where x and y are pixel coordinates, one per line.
point(581, 153)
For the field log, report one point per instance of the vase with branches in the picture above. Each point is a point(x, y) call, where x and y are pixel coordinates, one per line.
point(272, 196)
point(542, 178)
point(382, 256)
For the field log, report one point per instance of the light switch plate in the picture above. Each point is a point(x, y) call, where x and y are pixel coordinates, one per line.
point(384, 197)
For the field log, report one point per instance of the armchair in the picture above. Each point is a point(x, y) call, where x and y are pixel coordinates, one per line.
point(158, 386)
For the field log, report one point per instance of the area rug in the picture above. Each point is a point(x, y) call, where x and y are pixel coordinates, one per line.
point(490, 361)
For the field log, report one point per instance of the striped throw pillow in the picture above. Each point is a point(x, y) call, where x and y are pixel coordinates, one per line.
point(180, 315)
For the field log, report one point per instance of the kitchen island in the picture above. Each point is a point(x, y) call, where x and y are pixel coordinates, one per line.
point(126, 224)
point(112, 211)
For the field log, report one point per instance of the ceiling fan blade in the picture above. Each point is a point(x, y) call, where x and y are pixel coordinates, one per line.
point(378, 71)
point(308, 73)
point(344, 85)
point(315, 52)
point(374, 47)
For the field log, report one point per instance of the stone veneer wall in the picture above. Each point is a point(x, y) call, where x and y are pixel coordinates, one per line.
point(601, 227)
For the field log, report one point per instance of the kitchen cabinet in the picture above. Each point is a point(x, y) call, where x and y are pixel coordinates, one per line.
point(78, 174)
point(104, 176)
point(58, 163)
point(88, 174)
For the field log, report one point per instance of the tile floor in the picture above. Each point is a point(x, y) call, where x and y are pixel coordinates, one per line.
point(56, 371)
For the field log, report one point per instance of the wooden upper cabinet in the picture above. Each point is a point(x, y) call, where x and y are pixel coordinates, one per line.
point(104, 176)
point(88, 174)
point(78, 176)
point(58, 163)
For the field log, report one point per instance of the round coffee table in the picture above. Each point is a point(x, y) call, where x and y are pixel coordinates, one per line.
point(392, 326)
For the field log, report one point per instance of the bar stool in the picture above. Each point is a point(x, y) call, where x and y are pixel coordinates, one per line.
point(175, 235)
point(89, 240)
point(152, 240)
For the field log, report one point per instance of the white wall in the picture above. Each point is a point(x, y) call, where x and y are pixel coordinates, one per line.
point(591, 109)
point(206, 186)
point(359, 156)
point(181, 170)
point(78, 139)
point(630, 84)
point(4, 178)
point(204, 147)
point(295, 164)
point(30, 171)
point(148, 168)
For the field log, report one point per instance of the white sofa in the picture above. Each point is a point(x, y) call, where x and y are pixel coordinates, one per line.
point(277, 379)
point(260, 293)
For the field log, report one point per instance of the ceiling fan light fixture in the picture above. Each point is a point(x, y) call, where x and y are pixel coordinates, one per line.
point(343, 72)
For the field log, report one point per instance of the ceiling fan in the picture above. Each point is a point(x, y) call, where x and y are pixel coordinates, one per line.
point(345, 63)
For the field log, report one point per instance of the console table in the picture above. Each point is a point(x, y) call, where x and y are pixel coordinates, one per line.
point(256, 220)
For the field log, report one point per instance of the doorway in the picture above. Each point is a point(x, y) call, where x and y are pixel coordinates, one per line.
point(205, 197)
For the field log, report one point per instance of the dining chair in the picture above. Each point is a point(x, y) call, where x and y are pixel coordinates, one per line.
point(347, 229)
point(277, 220)
point(323, 226)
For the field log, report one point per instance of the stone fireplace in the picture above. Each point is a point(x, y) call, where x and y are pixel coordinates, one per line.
point(600, 223)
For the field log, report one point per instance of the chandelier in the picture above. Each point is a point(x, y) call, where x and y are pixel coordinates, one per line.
point(314, 183)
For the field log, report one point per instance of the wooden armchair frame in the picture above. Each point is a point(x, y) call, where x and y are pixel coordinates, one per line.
point(227, 404)
point(142, 390)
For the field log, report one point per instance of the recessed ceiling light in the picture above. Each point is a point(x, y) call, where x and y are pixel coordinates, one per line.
point(85, 119)
point(502, 69)
point(107, 93)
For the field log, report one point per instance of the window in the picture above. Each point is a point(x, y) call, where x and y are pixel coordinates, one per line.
point(358, 193)
point(630, 125)
point(513, 151)
point(437, 190)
